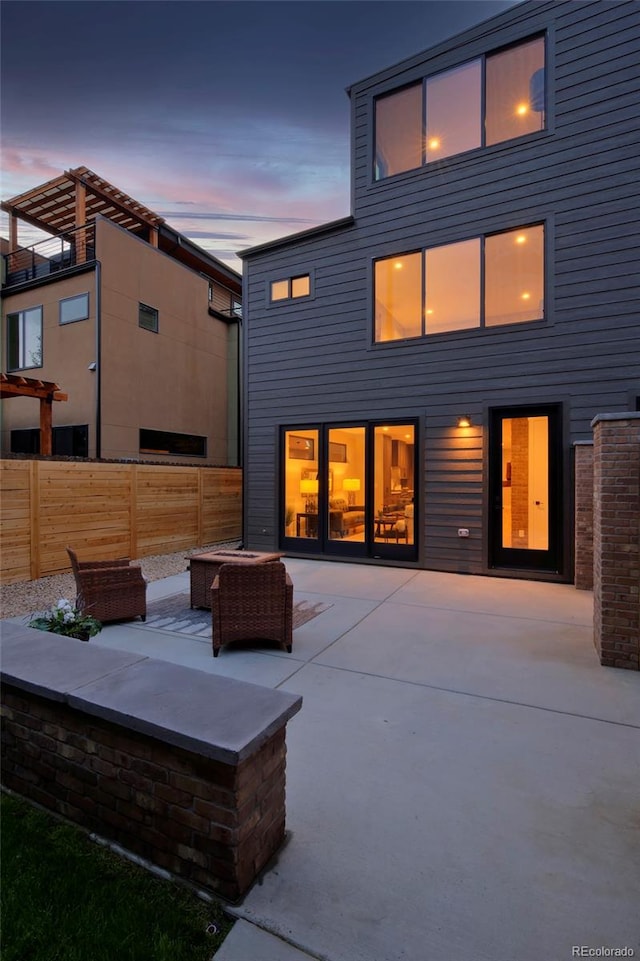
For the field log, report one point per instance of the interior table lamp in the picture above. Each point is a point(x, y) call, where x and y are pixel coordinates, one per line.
point(351, 485)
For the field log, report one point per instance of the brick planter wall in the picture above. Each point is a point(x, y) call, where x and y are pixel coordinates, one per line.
point(584, 516)
point(210, 813)
point(616, 537)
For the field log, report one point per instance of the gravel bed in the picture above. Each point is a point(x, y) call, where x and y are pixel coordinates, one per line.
point(31, 597)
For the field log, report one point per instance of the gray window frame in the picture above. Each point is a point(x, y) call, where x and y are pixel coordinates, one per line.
point(423, 337)
point(21, 365)
point(482, 59)
point(67, 300)
point(288, 279)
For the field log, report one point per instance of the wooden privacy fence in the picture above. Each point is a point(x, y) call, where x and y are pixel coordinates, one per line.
point(110, 510)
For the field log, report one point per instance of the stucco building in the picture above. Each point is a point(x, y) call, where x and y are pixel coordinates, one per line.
point(134, 322)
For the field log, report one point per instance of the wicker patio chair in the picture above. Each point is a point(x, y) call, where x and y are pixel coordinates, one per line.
point(109, 590)
point(252, 602)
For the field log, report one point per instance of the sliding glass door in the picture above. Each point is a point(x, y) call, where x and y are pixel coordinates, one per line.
point(350, 489)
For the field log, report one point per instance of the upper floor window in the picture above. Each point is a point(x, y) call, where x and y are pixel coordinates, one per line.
point(444, 115)
point(148, 317)
point(421, 293)
point(290, 287)
point(74, 308)
point(24, 339)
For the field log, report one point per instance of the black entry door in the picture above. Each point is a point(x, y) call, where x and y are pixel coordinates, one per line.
point(525, 488)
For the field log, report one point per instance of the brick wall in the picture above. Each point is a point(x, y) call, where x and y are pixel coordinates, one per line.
point(213, 824)
point(584, 516)
point(616, 539)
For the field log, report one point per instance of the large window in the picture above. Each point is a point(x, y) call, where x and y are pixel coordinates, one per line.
point(453, 111)
point(350, 488)
point(65, 441)
point(167, 442)
point(398, 132)
point(24, 339)
point(419, 294)
point(445, 116)
point(398, 306)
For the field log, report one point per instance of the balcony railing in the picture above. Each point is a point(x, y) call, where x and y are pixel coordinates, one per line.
point(50, 256)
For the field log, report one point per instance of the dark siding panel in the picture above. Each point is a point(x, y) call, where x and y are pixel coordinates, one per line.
point(313, 361)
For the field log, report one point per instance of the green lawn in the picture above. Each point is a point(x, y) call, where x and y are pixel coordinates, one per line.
point(65, 898)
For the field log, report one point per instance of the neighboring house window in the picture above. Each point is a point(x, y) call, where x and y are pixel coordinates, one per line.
point(291, 287)
point(420, 293)
point(24, 339)
point(74, 308)
point(148, 317)
point(444, 115)
point(166, 442)
point(66, 441)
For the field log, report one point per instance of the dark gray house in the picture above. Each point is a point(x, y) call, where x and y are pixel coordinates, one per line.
point(417, 373)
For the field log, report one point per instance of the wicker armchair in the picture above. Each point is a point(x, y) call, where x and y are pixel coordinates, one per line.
point(109, 590)
point(252, 602)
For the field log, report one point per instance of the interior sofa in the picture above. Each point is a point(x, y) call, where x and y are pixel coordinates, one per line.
point(343, 519)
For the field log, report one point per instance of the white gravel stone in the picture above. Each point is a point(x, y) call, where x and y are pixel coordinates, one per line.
point(31, 597)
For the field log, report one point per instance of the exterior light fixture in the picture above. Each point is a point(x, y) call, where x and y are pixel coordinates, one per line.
point(464, 420)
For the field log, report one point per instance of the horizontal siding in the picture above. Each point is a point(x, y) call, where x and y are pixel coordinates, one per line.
point(313, 361)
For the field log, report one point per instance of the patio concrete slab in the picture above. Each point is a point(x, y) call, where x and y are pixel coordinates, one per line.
point(462, 780)
point(497, 595)
point(246, 942)
point(357, 581)
point(546, 663)
point(429, 824)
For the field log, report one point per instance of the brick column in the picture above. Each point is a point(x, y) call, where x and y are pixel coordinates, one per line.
point(584, 515)
point(616, 539)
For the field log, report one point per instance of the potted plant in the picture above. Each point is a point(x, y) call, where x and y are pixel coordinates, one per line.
point(64, 618)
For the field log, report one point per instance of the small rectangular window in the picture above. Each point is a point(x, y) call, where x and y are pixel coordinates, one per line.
point(167, 442)
point(290, 288)
point(148, 317)
point(74, 308)
point(24, 339)
point(300, 286)
point(280, 290)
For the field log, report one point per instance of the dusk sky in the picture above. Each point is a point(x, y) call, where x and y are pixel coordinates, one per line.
point(229, 119)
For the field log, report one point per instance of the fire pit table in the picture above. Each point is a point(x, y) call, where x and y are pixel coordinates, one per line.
point(204, 567)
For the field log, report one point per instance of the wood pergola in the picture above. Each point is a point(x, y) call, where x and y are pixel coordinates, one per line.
point(73, 200)
point(14, 385)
